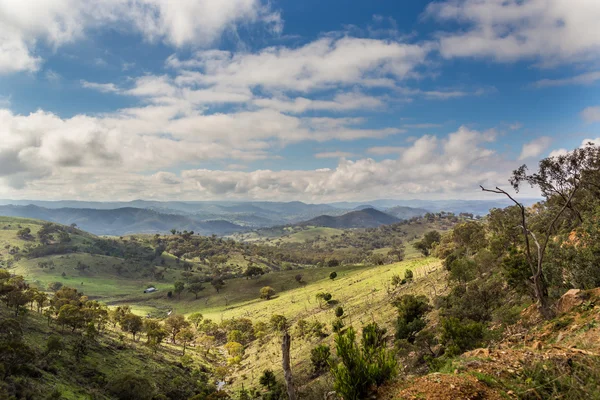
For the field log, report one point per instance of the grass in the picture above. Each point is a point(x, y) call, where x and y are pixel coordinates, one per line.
point(361, 291)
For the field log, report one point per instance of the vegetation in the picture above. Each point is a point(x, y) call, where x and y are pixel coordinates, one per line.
point(492, 280)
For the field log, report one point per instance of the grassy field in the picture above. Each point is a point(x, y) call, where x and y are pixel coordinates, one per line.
point(364, 294)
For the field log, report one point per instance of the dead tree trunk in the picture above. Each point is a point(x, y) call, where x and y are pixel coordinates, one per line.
point(287, 370)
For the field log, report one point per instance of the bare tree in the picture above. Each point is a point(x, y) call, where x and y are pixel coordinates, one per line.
point(558, 178)
point(286, 344)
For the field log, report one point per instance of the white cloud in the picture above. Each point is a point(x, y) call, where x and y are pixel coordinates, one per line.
point(535, 147)
point(101, 87)
point(95, 158)
point(340, 102)
point(551, 31)
point(324, 63)
point(582, 79)
point(591, 114)
point(334, 154)
point(26, 24)
point(594, 141)
point(558, 152)
point(384, 150)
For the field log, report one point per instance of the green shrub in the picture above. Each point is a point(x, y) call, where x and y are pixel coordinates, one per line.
point(459, 336)
point(361, 367)
point(337, 325)
point(411, 310)
point(319, 357)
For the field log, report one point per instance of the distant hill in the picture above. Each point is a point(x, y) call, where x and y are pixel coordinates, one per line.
point(366, 218)
point(403, 212)
point(122, 221)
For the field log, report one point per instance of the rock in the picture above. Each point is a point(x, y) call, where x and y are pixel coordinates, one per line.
point(569, 301)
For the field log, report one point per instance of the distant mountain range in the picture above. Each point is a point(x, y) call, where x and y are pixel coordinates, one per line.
point(366, 218)
point(122, 221)
point(225, 217)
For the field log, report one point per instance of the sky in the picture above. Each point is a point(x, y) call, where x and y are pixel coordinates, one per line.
point(284, 100)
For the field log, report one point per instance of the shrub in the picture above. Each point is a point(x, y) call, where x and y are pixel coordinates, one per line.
point(268, 379)
point(131, 386)
point(339, 311)
point(361, 367)
point(267, 293)
point(319, 357)
point(411, 310)
point(333, 275)
point(408, 275)
point(459, 336)
point(337, 325)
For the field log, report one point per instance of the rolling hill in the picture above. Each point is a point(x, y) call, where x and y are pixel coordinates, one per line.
point(121, 221)
point(366, 218)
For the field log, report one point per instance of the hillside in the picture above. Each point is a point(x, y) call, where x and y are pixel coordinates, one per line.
point(121, 221)
point(364, 218)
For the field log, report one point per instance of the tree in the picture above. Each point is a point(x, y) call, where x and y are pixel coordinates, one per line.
point(323, 297)
point(408, 275)
point(195, 287)
point(55, 286)
point(174, 324)
point(253, 271)
point(178, 288)
point(268, 379)
point(398, 252)
point(196, 318)
point(218, 284)
point(132, 323)
point(185, 336)
point(54, 344)
point(278, 323)
point(267, 293)
point(559, 179)
point(70, 315)
point(155, 333)
point(430, 239)
point(333, 275)
point(234, 349)
point(286, 344)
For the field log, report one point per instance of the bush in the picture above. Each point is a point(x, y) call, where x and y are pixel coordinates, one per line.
point(319, 357)
point(411, 310)
point(267, 293)
point(361, 367)
point(337, 325)
point(408, 275)
point(131, 386)
point(339, 311)
point(333, 275)
point(459, 336)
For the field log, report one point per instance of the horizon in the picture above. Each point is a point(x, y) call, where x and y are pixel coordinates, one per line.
point(317, 102)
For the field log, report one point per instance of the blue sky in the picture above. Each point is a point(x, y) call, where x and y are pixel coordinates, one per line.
point(290, 100)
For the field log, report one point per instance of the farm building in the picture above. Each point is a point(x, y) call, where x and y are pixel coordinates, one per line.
point(150, 290)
